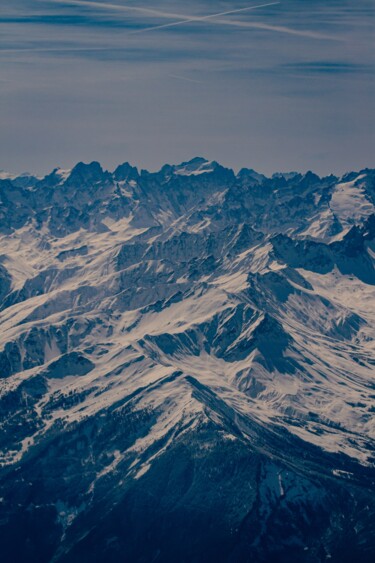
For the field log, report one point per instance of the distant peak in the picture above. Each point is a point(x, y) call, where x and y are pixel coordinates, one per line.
point(82, 167)
point(6, 175)
point(310, 177)
point(83, 172)
point(62, 173)
point(286, 175)
point(125, 172)
point(250, 174)
point(195, 167)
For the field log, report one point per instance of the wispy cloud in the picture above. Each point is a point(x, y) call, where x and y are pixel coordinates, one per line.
point(329, 67)
point(280, 29)
point(185, 78)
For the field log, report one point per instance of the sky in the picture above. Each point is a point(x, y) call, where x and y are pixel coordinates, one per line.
point(274, 86)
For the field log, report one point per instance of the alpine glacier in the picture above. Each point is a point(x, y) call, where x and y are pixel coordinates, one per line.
point(187, 366)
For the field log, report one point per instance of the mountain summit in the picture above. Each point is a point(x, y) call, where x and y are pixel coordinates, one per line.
point(187, 366)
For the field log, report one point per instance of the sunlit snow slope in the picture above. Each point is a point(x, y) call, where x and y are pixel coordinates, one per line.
point(187, 365)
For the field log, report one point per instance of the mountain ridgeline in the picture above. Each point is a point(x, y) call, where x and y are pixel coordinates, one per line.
point(187, 366)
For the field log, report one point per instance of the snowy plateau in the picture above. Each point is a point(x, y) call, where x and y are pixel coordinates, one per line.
point(187, 366)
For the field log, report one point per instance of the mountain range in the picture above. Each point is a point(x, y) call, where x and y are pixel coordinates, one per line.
point(187, 366)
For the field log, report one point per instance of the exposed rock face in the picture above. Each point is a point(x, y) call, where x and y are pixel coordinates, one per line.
point(187, 366)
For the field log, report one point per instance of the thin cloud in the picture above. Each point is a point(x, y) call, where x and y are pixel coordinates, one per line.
point(279, 29)
point(53, 49)
point(185, 78)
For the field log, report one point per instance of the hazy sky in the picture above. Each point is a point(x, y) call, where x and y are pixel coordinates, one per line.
point(289, 86)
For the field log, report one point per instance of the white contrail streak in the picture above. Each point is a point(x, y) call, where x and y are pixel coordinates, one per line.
point(120, 8)
point(211, 18)
point(159, 13)
point(189, 19)
point(277, 29)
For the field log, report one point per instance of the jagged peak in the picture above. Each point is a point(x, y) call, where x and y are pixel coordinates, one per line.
point(125, 171)
point(24, 180)
point(81, 171)
point(287, 175)
point(196, 166)
point(91, 170)
point(350, 176)
point(246, 174)
point(311, 177)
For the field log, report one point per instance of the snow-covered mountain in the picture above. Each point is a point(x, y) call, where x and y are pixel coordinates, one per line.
point(187, 366)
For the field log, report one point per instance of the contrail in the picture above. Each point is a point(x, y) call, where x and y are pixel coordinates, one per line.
point(119, 8)
point(53, 49)
point(211, 18)
point(168, 15)
point(188, 19)
point(278, 29)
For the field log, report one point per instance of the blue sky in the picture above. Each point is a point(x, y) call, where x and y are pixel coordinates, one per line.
point(288, 86)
